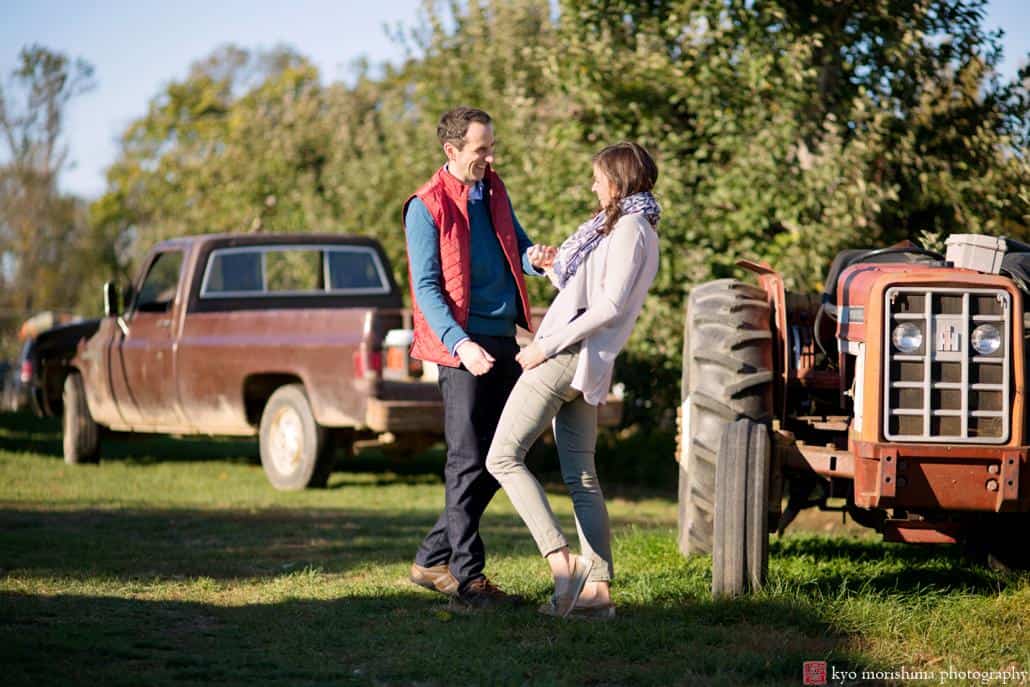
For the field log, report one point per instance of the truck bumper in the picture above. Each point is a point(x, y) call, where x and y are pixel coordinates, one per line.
point(941, 476)
point(427, 416)
point(404, 416)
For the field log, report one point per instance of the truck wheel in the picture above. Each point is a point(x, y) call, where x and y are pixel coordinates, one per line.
point(295, 451)
point(727, 374)
point(81, 433)
point(740, 554)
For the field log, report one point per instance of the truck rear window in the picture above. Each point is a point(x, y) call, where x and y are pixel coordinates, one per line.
point(293, 270)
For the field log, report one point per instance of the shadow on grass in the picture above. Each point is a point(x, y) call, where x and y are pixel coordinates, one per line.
point(176, 544)
point(405, 637)
point(838, 564)
point(20, 432)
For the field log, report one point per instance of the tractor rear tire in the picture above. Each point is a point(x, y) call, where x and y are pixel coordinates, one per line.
point(1006, 542)
point(740, 555)
point(727, 374)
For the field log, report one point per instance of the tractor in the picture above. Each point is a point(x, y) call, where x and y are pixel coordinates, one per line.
point(896, 396)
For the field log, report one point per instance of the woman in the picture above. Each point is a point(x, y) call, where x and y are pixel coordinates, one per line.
point(603, 272)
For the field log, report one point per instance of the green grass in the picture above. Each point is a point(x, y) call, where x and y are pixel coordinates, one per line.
point(175, 563)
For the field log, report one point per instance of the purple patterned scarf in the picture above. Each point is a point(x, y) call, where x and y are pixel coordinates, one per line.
point(578, 246)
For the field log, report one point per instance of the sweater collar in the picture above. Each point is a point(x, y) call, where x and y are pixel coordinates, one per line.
point(456, 188)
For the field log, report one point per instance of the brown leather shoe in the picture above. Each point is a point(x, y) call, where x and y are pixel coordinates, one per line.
point(436, 579)
point(480, 594)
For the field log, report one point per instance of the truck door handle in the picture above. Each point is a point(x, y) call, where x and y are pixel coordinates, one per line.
point(164, 323)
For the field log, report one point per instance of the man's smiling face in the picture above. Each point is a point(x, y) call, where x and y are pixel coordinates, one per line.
point(470, 161)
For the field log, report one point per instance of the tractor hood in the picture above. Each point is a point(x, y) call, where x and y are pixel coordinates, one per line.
point(860, 291)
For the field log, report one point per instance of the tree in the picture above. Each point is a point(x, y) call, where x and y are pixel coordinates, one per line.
point(784, 131)
point(236, 146)
point(41, 230)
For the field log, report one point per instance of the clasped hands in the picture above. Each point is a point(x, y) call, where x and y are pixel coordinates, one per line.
point(475, 358)
point(541, 257)
point(477, 361)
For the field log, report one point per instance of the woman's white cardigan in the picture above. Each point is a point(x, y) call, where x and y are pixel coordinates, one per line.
point(609, 289)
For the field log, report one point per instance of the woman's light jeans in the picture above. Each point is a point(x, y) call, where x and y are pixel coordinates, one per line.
point(542, 395)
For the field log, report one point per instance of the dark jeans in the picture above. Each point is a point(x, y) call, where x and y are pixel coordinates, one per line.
point(472, 406)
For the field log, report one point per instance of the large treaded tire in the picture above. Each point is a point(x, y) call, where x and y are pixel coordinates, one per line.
point(1003, 541)
point(727, 374)
point(296, 452)
point(81, 434)
point(740, 554)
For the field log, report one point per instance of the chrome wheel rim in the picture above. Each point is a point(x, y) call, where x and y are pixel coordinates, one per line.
point(286, 441)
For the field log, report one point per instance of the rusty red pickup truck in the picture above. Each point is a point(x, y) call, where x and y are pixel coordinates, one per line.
point(279, 336)
point(299, 339)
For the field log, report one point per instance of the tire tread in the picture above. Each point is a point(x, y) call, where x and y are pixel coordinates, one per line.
point(80, 433)
point(727, 374)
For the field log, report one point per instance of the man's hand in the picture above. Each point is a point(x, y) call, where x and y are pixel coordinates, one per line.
point(474, 357)
point(530, 356)
point(541, 257)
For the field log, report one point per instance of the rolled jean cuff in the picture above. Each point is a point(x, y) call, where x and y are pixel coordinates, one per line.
point(550, 542)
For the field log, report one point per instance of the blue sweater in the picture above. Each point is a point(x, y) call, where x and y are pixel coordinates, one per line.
point(493, 307)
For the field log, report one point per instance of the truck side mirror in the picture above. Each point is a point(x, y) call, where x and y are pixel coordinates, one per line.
point(112, 308)
point(111, 304)
point(128, 295)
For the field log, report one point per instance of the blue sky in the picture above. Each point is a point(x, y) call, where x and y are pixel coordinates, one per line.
point(137, 47)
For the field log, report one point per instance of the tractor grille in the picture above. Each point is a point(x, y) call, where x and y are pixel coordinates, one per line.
point(945, 390)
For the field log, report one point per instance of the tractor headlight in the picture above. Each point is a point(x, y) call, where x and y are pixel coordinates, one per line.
point(986, 339)
point(907, 337)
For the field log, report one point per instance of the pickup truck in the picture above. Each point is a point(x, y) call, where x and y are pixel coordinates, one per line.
point(275, 335)
point(45, 364)
point(299, 339)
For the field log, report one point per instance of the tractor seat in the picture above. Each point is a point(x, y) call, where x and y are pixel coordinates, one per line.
point(1016, 266)
point(853, 256)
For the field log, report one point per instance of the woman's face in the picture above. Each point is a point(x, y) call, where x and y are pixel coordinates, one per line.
point(602, 187)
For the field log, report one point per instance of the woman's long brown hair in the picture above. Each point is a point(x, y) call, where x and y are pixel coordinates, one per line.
point(631, 169)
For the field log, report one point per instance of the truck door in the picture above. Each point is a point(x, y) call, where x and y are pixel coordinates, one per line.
point(146, 352)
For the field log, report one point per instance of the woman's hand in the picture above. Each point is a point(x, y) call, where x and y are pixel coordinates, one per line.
point(530, 356)
point(541, 257)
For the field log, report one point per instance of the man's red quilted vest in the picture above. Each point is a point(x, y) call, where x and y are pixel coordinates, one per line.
point(446, 198)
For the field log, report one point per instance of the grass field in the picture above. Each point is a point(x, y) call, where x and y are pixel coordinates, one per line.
point(174, 563)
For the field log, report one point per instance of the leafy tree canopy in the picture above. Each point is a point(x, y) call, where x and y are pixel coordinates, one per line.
point(784, 131)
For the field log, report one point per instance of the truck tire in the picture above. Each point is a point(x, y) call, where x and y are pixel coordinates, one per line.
point(727, 374)
point(740, 552)
point(81, 434)
point(295, 451)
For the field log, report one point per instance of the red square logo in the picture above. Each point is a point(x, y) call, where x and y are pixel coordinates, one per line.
point(815, 672)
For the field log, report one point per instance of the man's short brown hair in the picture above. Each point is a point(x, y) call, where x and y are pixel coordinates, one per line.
point(455, 124)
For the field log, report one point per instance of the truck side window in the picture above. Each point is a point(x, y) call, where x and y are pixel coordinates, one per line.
point(158, 289)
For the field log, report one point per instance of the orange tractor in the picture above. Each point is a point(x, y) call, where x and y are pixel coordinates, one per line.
point(896, 396)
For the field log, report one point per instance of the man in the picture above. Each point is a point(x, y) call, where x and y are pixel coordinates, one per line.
point(467, 254)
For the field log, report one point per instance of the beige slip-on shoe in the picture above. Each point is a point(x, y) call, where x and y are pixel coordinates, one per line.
point(593, 612)
point(604, 611)
point(567, 591)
